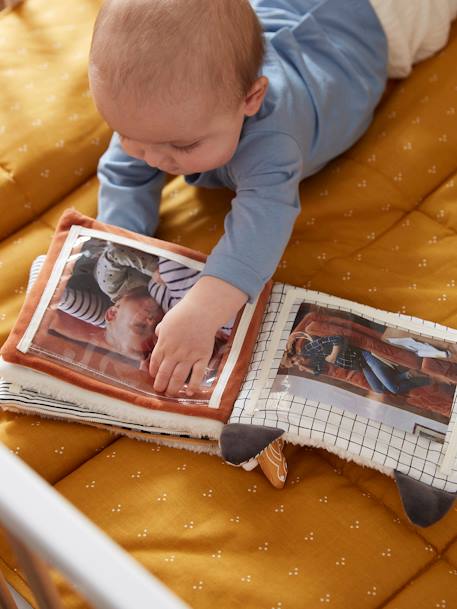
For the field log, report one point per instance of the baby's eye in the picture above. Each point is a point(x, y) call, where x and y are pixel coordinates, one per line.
point(186, 148)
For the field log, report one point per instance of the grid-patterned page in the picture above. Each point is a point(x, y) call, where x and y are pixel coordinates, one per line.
point(369, 385)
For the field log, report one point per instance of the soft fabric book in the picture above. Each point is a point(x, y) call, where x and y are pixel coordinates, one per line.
point(295, 366)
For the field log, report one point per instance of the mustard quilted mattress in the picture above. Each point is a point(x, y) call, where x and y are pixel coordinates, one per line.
point(378, 226)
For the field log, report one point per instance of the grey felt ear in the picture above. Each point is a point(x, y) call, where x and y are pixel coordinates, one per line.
point(239, 443)
point(423, 504)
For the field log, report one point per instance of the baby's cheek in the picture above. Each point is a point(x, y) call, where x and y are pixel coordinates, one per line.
point(136, 151)
point(211, 159)
point(225, 153)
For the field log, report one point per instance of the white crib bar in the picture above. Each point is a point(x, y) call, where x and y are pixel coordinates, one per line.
point(50, 526)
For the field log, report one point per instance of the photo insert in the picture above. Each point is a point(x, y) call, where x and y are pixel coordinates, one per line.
point(393, 376)
point(103, 316)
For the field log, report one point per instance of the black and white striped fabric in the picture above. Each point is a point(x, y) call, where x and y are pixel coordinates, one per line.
point(39, 404)
point(87, 306)
point(177, 281)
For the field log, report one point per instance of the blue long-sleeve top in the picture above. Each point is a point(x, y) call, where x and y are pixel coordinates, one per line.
point(326, 62)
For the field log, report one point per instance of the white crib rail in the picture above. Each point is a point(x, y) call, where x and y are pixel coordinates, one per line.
point(48, 525)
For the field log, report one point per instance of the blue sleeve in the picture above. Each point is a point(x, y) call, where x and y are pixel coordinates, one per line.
point(130, 190)
point(267, 171)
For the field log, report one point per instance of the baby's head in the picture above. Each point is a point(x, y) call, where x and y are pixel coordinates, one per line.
point(176, 78)
point(131, 324)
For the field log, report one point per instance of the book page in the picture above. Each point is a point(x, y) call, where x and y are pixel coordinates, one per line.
point(375, 384)
point(103, 302)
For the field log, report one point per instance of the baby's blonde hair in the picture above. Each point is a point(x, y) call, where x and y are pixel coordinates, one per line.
point(170, 49)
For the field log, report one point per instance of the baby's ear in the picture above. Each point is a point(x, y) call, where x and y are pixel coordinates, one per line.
point(255, 96)
point(110, 314)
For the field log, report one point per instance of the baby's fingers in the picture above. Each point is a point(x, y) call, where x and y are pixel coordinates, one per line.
point(178, 378)
point(198, 372)
point(162, 378)
point(154, 362)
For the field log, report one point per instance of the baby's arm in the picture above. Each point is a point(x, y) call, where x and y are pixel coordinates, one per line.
point(263, 213)
point(257, 230)
point(129, 190)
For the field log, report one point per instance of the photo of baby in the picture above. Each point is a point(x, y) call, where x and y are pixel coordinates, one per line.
point(106, 308)
point(386, 374)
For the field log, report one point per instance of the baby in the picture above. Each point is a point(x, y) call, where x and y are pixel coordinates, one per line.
point(130, 323)
point(254, 96)
point(130, 314)
point(142, 287)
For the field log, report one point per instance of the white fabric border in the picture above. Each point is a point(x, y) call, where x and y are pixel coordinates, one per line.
point(51, 286)
point(232, 358)
point(270, 354)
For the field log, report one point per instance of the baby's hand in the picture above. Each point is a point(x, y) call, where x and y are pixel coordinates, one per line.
point(157, 277)
point(185, 343)
point(187, 332)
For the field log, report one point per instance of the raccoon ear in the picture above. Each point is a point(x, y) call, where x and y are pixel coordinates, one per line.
point(239, 443)
point(424, 505)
